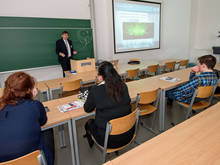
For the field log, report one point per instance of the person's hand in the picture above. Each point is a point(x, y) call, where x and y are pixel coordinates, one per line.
point(62, 54)
point(75, 52)
point(195, 69)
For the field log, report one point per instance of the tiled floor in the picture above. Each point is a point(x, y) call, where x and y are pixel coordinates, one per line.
point(174, 113)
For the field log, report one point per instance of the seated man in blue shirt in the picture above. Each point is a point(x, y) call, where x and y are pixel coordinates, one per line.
point(206, 77)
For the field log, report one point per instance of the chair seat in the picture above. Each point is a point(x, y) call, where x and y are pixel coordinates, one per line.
point(110, 150)
point(198, 105)
point(217, 95)
point(146, 109)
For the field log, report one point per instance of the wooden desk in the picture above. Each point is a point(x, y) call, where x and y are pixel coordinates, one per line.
point(86, 77)
point(42, 87)
point(143, 85)
point(108, 163)
point(195, 141)
point(140, 86)
point(56, 118)
point(122, 68)
point(183, 75)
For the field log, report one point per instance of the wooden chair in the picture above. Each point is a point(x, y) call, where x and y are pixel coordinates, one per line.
point(71, 87)
point(116, 127)
point(132, 74)
point(217, 95)
point(205, 93)
point(152, 70)
point(169, 66)
point(34, 158)
point(115, 63)
point(183, 64)
point(148, 102)
point(134, 59)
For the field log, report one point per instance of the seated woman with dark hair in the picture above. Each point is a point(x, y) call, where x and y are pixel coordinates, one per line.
point(111, 100)
point(21, 119)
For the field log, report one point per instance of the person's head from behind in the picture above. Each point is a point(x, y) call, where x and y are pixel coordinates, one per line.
point(113, 83)
point(206, 63)
point(65, 35)
point(18, 86)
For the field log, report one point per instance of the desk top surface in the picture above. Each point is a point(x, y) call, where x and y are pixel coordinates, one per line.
point(134, 87)
point(195, 141)
point(91, 75)
point(55, 116)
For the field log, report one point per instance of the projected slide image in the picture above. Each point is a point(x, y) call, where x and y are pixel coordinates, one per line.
point(136, 30)
point(136, 25)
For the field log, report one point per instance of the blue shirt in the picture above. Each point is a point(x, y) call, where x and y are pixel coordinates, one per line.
point(20, 129)
point(185, 92)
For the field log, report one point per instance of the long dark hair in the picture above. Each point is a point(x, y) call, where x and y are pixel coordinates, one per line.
point(113, 83)
point(18, 86)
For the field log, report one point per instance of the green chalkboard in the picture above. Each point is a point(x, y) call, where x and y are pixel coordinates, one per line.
point(30, 42)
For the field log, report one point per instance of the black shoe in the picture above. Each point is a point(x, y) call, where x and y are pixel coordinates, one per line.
point(90, 141)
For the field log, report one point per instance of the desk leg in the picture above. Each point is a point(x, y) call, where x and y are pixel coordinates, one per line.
point(75, 141)
point(162, 110)
point(51, 94)
point(71, 142)
point(48, 95)
point(62, 138)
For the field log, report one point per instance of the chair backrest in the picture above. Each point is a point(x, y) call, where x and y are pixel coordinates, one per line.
point(152, 68)
point(184, 62)
point(34, 158)
point(114, 62)
point(205, 92)
point(170, 65)
point(132, 73)
point(71, 85)
point(134, 59)
point(148, 97)
point(123, 124)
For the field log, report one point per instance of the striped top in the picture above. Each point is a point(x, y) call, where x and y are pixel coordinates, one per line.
point(184, 93)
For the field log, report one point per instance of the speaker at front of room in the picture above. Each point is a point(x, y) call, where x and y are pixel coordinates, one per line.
point(216, 50)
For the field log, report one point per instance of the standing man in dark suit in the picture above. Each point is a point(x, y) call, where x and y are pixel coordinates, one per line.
point(64, 50)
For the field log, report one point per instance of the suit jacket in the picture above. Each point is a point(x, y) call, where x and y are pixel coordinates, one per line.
point(61, 48)
point(20, 128)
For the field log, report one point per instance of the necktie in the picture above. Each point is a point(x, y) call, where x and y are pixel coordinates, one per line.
point(68, 48)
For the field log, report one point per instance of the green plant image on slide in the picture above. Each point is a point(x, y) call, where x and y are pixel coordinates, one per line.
point(136, 30)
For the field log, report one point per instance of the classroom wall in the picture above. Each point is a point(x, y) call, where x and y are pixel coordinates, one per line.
point(205, 25)
point(78, 9)
point(175, 34)
point(74, 9)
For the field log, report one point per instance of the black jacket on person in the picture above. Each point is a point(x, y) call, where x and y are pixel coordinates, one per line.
point(106, 110)
point(61, 48)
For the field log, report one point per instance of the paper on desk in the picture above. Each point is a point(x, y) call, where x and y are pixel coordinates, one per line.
point(71, 106)
point(170, 79)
